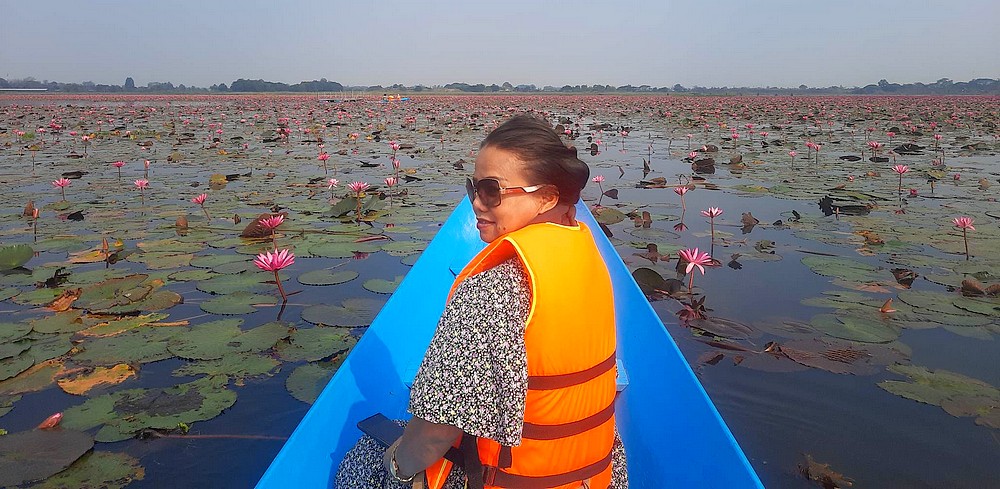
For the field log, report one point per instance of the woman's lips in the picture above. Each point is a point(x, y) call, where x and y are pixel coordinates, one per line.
point(483, 223)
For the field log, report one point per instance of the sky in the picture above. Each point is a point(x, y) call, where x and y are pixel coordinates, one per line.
point(748, 43)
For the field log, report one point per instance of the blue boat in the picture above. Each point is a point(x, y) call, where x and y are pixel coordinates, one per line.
point(673, 434)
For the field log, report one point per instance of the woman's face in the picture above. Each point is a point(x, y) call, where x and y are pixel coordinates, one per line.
point(516, 209)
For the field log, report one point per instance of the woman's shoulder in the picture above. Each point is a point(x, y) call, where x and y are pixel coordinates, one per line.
point(508, 275)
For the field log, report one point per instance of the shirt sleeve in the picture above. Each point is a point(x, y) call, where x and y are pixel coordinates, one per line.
point(474, 374)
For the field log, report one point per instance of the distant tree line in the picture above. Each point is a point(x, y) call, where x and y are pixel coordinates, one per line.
point(944, 86)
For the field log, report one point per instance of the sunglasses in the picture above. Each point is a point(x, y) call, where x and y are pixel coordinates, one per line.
point(488, 190)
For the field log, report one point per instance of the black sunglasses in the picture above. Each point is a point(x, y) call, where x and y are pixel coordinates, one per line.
point(488, 190)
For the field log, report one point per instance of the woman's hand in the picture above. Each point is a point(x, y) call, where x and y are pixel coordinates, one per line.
point(422, 444)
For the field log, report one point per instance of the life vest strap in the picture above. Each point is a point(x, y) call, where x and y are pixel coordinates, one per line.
point(493, 476)
point(555, 431)
point(560, 381)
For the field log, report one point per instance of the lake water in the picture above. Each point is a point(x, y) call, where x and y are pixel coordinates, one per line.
point(843, 385)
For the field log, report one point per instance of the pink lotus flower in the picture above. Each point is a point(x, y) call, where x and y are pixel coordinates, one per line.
point(395, 164)
point(273, 221)
point(61, 184)
point(681, 190)
point(792, 154)
point(272, 262)
point(956, 177)
point(323, 157)
point(200, 200)
point(965, 224)
point(913, 192)
point(598, 179)
point(712, 212)
point(141, 183)
point(394, 146)
point(118, 164)
point(901, 169)
point(390, 181)
point(333, 182)
point(50, 422)
point(358, 187)
point(694, 258)
point(692, 155)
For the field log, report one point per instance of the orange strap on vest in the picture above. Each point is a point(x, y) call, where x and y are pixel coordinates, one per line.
point(496, 477)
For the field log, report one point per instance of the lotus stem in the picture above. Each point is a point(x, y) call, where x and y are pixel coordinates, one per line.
point(965, 237)
point(281, 290)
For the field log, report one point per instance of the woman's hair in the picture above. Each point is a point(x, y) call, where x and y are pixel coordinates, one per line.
point(546, 159)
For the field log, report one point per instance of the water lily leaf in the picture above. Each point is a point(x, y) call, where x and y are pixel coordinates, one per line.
point(842, 268)
point(161, 261)
point(960, 395)
point(34, 379)
point(216, 339)
point(97, 469)
point(13, 349)
point(49, 346)
point(8, 292)
point(106, 294)
point(403, 248)
point(314, 344)
point(343, 249)
point(229, 283)
point(60, 322)
point(115, 326)
point(608, 215)
point(979, 306)
point(13, 331)
point(34, 455)
point(939, 302)
point(7, 403)
point(355, 312)
point(237, 367)
point(327, 277)
point(140, 345)
point(855, 328)
point(82, 383)
point(38, 297)
point(123, 413)
point(212, 261)
point(192, 275)
point(382, 286)
point(10, 367)
point(157, 301)
point(307, 381)
point(14, 256)
point(236, 303)
point(726, 328)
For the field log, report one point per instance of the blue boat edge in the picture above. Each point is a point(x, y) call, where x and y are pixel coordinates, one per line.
point(672, 431)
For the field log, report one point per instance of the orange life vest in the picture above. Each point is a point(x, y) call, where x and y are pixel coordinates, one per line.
point(570, 341)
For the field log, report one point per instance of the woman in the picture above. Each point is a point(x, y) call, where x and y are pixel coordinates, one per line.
point(520, 373)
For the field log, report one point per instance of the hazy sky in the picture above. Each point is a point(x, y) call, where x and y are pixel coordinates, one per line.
point(367, 42)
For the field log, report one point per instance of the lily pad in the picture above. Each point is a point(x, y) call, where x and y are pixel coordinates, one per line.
point(14, 256)
point(13, 331)
point(60, 322)
point(327, 277)
point(10, 367)
point(7, 403)
point(958, 394)
point(123, 413)
point(314, 344)
point(608, 215)
point(140, 345)
point(216, 339)
point(307, 381)
point(382, 286)
point(120, 325)
point(855, 328)
point(842, 268)
point(99, 377)
point(105, 470)
point(726, 328)
point(7, 293)
point(354, 313)
point(34, 379)
point(236, 303)
point(237, 282)
point(13, 349)
point(237, 367)
point(35, 455)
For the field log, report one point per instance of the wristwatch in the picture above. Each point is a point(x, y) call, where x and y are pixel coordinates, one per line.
point(394, 468)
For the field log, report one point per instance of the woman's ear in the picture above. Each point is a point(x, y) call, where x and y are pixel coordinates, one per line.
point(548, 199)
